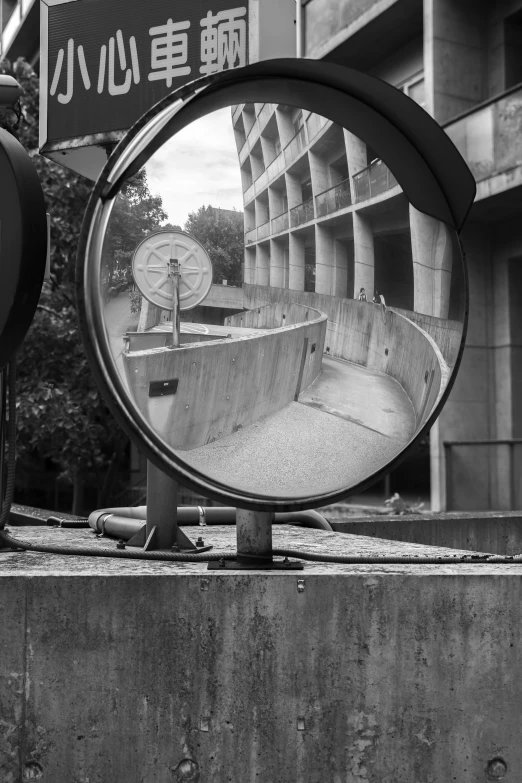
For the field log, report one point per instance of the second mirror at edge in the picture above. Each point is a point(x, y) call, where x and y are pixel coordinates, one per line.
point(334, 319)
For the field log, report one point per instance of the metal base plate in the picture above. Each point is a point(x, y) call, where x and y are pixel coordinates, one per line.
point(274, 565)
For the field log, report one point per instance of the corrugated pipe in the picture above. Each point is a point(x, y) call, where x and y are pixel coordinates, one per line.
point(123, 522)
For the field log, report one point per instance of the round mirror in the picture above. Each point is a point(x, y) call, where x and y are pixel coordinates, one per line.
point(314, 321)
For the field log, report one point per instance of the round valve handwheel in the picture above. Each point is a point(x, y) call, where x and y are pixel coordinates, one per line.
point(150, 269)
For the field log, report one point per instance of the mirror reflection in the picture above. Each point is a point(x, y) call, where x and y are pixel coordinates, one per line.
point(320, 314)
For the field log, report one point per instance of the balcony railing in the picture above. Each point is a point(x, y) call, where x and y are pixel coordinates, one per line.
point(250, 236)
point(275, 167)
point(333, 199)
point(280, 223)
point(314, 123)
point(374, 179)
point(490, 138)
point(295, 145)
point(302, 213)
point(265, 114)
point(263, 230)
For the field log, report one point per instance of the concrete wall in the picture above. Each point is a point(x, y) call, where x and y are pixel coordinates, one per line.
point(227, 384)
point(363, 676)
point(499, 534)
point(273, 316)
point(381, 340)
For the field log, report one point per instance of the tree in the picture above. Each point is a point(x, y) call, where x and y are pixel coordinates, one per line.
point(61, 417)
point(221, 233)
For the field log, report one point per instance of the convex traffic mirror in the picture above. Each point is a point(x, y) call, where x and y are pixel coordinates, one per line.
point(300, 221)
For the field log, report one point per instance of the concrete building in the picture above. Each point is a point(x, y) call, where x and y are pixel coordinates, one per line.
point(323, 215)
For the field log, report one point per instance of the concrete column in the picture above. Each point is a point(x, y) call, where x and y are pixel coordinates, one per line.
point(364, 265)
point(293, 190)
point(356, 157)
point(432, 264)
point(324, 260)
point(261, 212)
point(454, 59)
point(275, 202)
point(318, 173)
point(262, 265)
point(250, 265)
point(268, 148)
point(277, 264)
point(284, 126)
point(296, 272)
point(340, 271)
point(469, 410)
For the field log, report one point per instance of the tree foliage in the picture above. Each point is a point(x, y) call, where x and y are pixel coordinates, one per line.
point(221, 233)
point(61, 418)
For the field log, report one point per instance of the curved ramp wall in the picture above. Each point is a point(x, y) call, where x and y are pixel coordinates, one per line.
point(227, 384)
point(386, 341)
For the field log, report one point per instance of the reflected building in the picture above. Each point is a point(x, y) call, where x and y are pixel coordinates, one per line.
point(324, 215)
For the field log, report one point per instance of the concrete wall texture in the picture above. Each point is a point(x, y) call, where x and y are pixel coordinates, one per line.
point(225, 384)
point(360, 678)
point(379, 339)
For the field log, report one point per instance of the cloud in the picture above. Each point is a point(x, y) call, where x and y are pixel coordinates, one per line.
point(199, 166)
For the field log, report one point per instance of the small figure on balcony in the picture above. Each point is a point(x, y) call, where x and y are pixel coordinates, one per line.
point(362, 295)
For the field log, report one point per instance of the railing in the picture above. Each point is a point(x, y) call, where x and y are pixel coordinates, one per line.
point(265, 114)
point(314, 123)
point(263, 230)
point(280, 223)
point(249, 193)
point(261, 181)
point(483, 474)
point(275, 167)
point(250, 236)
point(295, 145)
point(490, 138)
point(374, 179)
point(333, 199)
point(302, 213)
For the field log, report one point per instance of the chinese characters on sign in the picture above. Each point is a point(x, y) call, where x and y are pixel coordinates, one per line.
point(222, 44)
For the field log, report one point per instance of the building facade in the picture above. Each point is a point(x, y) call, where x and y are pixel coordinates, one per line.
point(323, 215)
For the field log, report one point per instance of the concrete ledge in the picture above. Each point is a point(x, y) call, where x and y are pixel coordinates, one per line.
point(499, 533)
point(117, 671)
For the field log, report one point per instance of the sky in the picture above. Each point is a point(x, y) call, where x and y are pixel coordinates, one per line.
point(199, 166)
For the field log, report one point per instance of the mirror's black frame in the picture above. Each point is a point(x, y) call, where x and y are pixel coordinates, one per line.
point(427, 165)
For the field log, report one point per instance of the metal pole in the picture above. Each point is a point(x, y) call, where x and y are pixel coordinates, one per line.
point(162, 508)
point(174, 274)
point(254, 535)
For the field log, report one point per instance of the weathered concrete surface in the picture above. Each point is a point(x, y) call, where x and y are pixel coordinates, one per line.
point(497, 532)
point(357, 394)
point(384, 340)
point(346, 425)
point(115, 671)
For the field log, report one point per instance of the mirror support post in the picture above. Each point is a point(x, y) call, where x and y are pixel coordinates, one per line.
point(254, 535)
point(174, 275)
point(162, 530)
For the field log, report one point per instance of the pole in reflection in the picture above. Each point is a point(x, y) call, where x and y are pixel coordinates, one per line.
point(174, 276)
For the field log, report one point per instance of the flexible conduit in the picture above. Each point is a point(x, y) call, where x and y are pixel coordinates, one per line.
point(204, 557)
